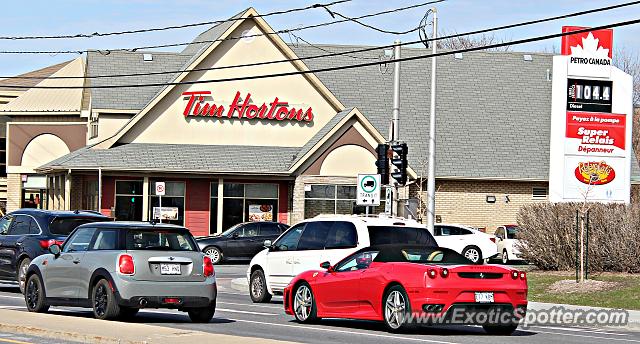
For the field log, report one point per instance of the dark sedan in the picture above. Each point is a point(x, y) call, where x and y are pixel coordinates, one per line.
point(241, 241)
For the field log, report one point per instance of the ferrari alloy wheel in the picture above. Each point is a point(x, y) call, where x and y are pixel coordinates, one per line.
point(34, 295)
point(473, 254)
point(213, 253)
point(304, 307)
point(396, 308)
point(22, 273)
point(505, 257)
point(258, 287)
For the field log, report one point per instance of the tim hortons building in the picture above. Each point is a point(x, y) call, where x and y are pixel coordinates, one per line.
point(281, 148)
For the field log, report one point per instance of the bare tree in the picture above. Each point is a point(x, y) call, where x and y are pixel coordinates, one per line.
point(465, 42)
point(628, 60)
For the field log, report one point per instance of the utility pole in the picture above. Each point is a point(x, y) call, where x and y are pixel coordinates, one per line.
point(431, 181)
point(396, 114)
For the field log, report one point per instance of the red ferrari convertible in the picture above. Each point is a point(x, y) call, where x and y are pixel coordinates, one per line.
point(407, 285)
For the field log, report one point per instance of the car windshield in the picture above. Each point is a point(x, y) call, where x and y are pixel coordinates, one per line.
point(230, 230)
point(383, 235)
point(423, 255)
point(66, 225)
point(161, 240)
point(512, 231)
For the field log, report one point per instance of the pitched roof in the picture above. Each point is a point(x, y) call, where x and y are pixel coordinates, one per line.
point(180, 158)
point(37, 74)
point(56, 100)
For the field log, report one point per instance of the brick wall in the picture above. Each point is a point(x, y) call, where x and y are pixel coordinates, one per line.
point(14, 191)
point(465, 202)
point(75, 200)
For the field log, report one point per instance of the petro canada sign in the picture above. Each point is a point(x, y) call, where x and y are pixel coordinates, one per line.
point(591, 121)
point(201, 104)
point(590, 52)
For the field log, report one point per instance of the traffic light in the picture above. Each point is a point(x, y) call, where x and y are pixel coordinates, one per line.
point(399, 162)
point(383, 163)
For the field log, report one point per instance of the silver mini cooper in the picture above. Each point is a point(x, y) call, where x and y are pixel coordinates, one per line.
point(117, 268)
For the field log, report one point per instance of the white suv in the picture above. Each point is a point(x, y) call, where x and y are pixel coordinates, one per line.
point(325, 238)
point(469, 242)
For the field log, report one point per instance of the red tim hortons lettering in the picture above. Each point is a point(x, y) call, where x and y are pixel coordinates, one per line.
point(192, 99)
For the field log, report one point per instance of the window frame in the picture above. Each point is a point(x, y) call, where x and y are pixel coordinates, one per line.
point(13, 222)
point(74, 234)
point(116, 194)
point(96, 234)
point(11, 218)
point(152, 196)
point(538, 196)
point(282, 236)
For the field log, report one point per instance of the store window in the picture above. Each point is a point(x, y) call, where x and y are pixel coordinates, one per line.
point(334, 199)
point(172, 203)
point(245, 202)
point(128, 200)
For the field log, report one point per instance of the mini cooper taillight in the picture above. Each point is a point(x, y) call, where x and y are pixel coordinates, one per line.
point(207, 267)
point(125, 265)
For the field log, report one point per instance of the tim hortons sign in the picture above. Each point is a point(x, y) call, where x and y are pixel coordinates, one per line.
point(201, 104)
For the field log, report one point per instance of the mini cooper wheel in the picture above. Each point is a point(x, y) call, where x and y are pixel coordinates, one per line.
point(396, 308)
point(473, 254)
point(202, 315)
point(500, 330)
point(304, 304)
point(258, 288)
point(505, 257)
point(34, 295)
point(214, 253)
point(22, 273)
point(105, 305)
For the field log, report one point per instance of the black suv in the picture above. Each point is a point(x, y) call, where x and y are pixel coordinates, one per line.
point(27, 233)
point(241, 241)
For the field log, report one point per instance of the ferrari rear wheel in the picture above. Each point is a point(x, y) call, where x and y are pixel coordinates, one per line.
point(396, 309)
point(304, 304)
point(500, 330)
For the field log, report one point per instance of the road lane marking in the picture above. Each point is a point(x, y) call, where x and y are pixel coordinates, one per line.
point(5, 340)
point(587, 336)
point(245, 312)
point(251, 305)
point(575, 329)
point(12, 297)
point(324, 329)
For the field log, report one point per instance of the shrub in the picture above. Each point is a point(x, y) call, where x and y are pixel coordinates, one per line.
point(548, 232)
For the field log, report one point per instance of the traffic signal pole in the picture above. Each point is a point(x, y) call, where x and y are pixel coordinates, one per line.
point(396, 116)
point(431, 178)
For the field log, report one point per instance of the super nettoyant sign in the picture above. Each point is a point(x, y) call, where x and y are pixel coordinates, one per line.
point(590, 122)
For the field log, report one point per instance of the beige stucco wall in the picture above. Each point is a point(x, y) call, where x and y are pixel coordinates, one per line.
point(14, 191)
point(42, 149)
point(165, 123)
point(109, 124)
point(348, 160)
point(465, 202)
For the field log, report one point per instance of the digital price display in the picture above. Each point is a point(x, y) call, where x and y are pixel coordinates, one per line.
point(589, 95)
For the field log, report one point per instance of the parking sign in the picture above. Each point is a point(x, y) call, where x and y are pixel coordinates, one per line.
point(368, 190)
point(159, 188)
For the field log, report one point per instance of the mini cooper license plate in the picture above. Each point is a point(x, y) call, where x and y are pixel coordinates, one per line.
point(484, 297)
point(170, 269)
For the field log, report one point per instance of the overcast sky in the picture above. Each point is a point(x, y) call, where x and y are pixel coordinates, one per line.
point(45, 17)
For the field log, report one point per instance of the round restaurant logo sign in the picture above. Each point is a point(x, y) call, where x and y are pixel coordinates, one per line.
point(595, 173)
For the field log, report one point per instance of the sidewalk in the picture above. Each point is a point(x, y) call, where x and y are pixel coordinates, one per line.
point(88, 330)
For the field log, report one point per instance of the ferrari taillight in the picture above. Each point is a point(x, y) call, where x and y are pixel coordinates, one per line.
point(125, 265)
point(523, 275)
point(444, 273)
point(514, 274)
point(207, 267)
point(432, 273)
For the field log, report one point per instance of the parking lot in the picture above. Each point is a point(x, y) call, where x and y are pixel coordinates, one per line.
point(237, 315)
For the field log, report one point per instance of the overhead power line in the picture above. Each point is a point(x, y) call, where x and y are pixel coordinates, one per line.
point(172, 45)
point(334, 54)
point(183, 26)
point(329, 69)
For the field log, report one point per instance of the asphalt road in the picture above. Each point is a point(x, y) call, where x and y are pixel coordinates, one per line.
point(237, 315)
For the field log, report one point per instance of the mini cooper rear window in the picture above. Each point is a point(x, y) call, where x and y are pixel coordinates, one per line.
point(164, 240)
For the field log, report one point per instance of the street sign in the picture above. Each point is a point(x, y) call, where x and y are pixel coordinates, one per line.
point(159, 188)
point(388, 201)
point(368, 190)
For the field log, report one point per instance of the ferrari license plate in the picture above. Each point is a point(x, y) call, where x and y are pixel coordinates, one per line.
point(484, 297)
point(169, 269)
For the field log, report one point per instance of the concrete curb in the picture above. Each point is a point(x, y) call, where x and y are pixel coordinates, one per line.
point(240, 284)
point(633, 320)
